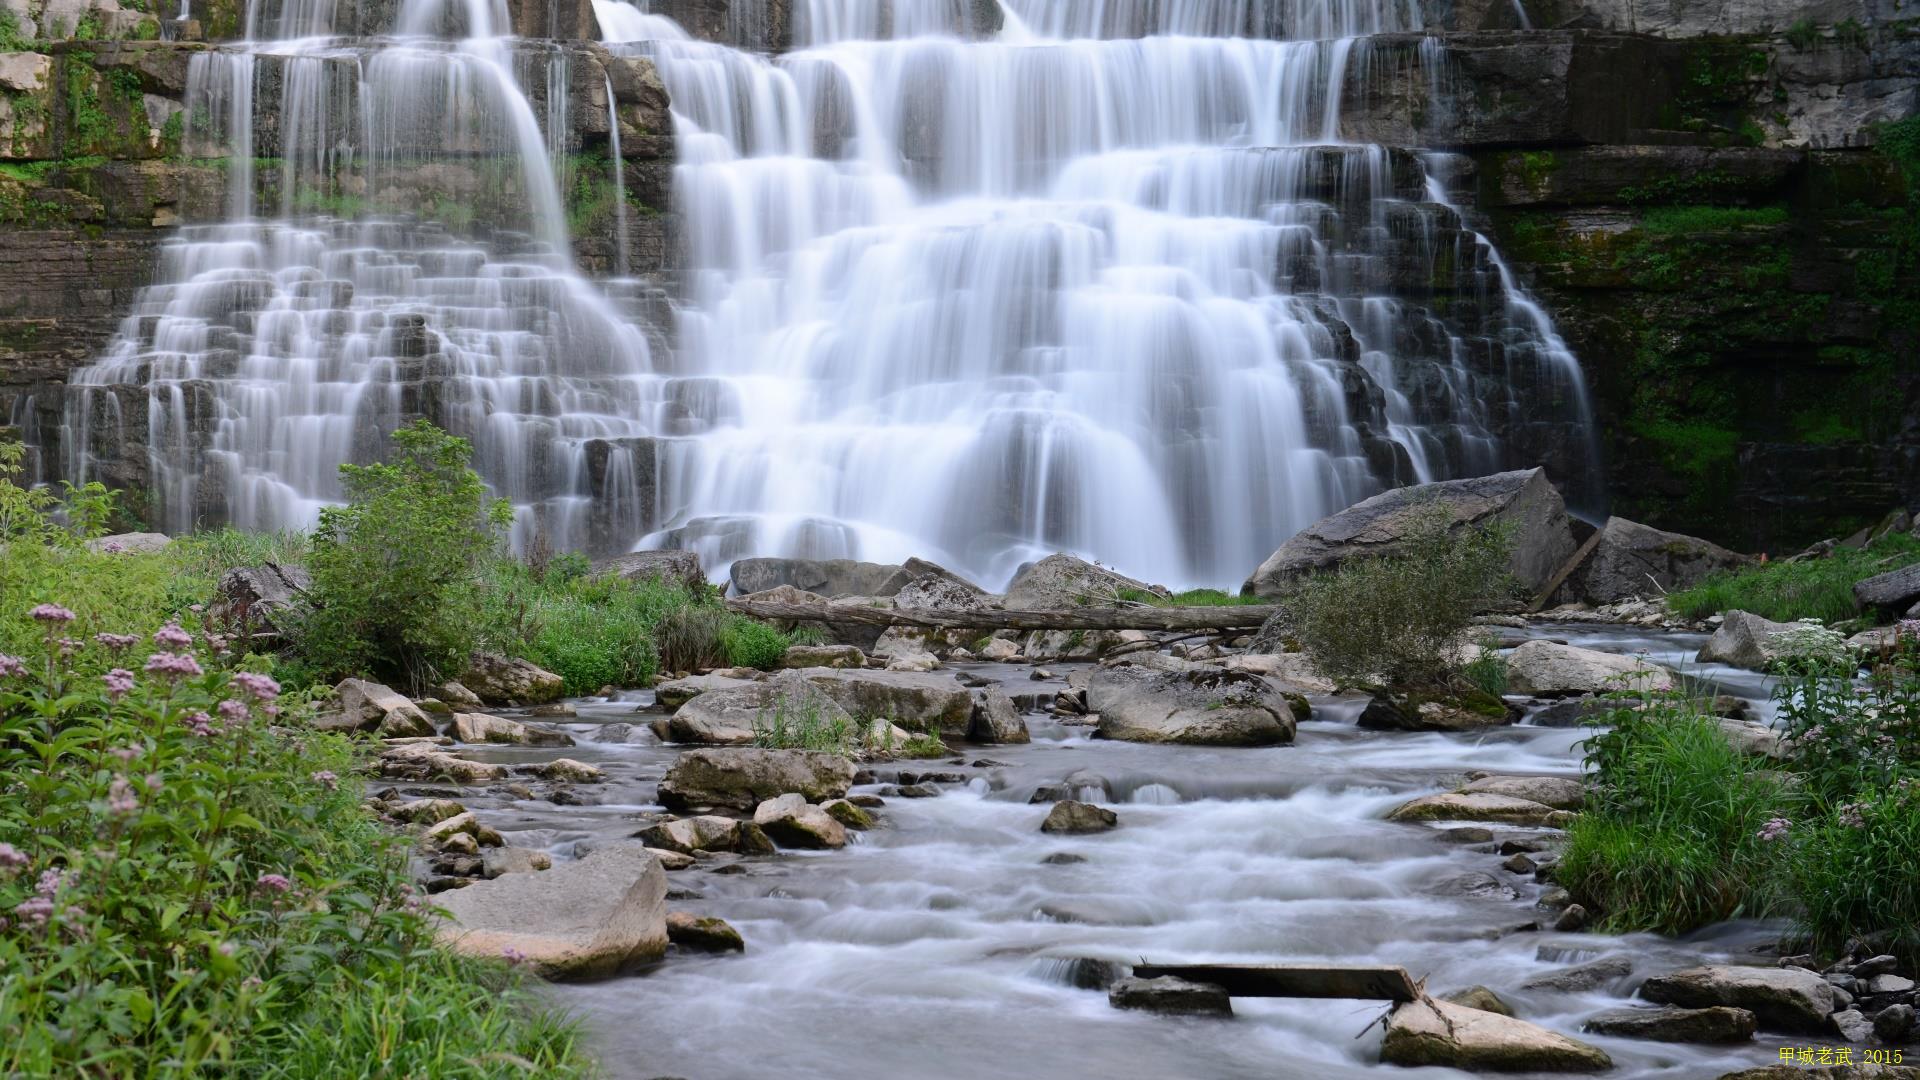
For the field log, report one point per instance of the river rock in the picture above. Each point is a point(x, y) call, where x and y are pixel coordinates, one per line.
point(669, 567)
point(593, 918)
point(424, 761)
point(705, 933)
point(507, 681)
point(1431, 1032)
point(1744, 640)
point(1063, 582)
point(1784, 999)
point(791, 821)
point(1894, 591)
point(824, 577)
point(916, 700)
point(1068, 816)
point(1631, 560)
point(730, 716)
point(480, 728)
point(1421, 712)
point(1171, 996)
point(1559, 792)
point(1523, 500)
point(743, 778)
point(514, 860)
point(1198, 706)
point(823, 656)
point(262, 599)
point(1589, 976)
point(1549, 669)
point(995, 720)
point(1475, 806)
point(360, 705)
point(1714, 1024)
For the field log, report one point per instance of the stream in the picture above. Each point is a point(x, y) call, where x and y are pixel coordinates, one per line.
point(945, 943)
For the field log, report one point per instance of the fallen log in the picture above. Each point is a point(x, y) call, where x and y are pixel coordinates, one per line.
point(1293, 980)
point(1141, 617)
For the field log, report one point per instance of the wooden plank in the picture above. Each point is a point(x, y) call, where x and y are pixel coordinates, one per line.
point(1293, 980)
point(1138, 617)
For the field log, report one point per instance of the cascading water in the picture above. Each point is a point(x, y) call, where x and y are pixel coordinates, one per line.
point(1111, 283)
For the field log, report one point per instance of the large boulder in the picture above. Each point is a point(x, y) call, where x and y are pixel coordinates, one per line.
point(825, 577)
point(1631, 560)
point(1550, 669)
point(261, 599)
point(669, 567)
point(922, 701)
point(1063, 582)
point(507, 681)
point(360, 705)
point(743, 778)
point(730, 716)
point(1523, 500)
point(1894, 591)
point(1743, 640)
point(591, 919)
point(1431, 1032)
point(1784, 999)
point(1197, 706)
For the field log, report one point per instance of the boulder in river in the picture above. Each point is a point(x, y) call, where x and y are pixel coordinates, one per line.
point(1668, 1023)
point(1432, 1032)
point(360, 705)
point(1522, 500)
point(824, 577)
point(1171, 996)
point(508, 681)
point(1475, 806)
point(1559, 792)
point(791, 821)
point(1744, 640)
point(1068, 816)
point(743, 777)
point(922, 701)
point(1549, 669)
point(1201, 706)
point(593, 918)
point(1630, 560)
point(1784, 999)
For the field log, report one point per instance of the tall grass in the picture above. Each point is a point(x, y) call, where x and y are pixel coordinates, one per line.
point(1786, 592)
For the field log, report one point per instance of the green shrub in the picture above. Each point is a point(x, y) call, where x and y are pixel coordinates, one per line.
point(395, 570)
point(1789, 591)
point(1398, 618)
point(748, 643)
point(1672, 834)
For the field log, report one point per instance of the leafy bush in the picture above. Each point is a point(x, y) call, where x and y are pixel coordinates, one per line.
point(753, 644)
point(1398, 618)
point(395, 571)
point(1789, 591)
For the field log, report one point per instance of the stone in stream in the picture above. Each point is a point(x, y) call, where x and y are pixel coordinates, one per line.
point(593, 918)
point(1631, 560)
point(1559, 792)
point(1589, 976)
point(742, 778)
point(423, 761)
point(729, 716)
point(1667, 1023)
point(1199, 706)
point(1431, 1032)
point(480, 728)
point(1744, 640)
point(1171, 996)
point(995, 720)
point(1068, 816)
point(1784, 999)
point(1523, 500)
point(1424, 712)
point(1549, 669)
point(514, 860)
point(360, 705)
point(1476, 806)
point(791, 821)
point(706, 933)
point(508, 681)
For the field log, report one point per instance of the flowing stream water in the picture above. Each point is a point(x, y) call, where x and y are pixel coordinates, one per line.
point(944, 944)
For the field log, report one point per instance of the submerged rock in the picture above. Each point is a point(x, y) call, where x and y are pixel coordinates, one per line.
point(1441, 1033)
point(1197, 706)
point(1784, 999)
point(743, 778)
point(1174, 997)
point(1714, 1024)
point(1549, 669)
point(593, 918)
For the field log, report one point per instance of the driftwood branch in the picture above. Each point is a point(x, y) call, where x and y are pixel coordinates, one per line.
point(1237, 617)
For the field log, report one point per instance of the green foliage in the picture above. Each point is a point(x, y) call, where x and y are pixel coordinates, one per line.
point(396, 570)
point(1397, 618)
point(1789, 591)
point(748, 643)
point(1670, 839)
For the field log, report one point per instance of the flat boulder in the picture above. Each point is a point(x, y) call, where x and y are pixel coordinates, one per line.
point(1170, 996)
point(1744, 640)
point(1063, 582)
point(593, 918)
point(1559, 792)
point(742, 778)
point(731, 716)
point(1630, 560)
point(508, 681)
point(668, 567)
point(1475, 806)
point(1523, 500)
point(481, 728)
point(1200, 706)
point(1667, 1023)
point(824, 577)
point(1783, 999)
point(361, 705)
point(1549, 669)
point(921, 701)
point(1432, 1032)
point(791, 821)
